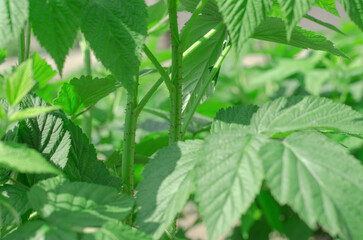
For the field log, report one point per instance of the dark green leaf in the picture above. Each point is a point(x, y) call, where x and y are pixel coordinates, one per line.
point(210, 8)
point(354, 8)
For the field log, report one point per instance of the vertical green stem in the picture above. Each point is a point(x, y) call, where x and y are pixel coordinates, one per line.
point(128, 151)
point(28, 39)
point(87, 117)
point(21, 54)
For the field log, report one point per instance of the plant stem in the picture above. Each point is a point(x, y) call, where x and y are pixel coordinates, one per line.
point(176, 93)
point(147, 97)
point(203, 39)
point(87, 117)
point(21, 54)
point(158, 66)
point(28, 39)
point(128, 152)
point(200, 94)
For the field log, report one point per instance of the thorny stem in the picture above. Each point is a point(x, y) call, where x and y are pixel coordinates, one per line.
point(147, 97)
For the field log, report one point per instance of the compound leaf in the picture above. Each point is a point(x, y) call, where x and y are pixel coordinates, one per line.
point(121, 25)
point(297, 113)
point(319, 179)
point(166, 185)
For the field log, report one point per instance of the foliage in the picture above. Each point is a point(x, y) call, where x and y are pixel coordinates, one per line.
point(277, 149)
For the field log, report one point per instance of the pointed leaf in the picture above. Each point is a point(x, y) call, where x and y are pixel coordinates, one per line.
point(328, 5)
point(354, 8)
point(121, 25)
point(42, 71)
point(210, 8)
point(242, 17)
point(166, 186)
point(81, 93)
point(297, 113)
point(31, 112)
point(229, 176)
point(319, 179)
point(78, 205)
point(273, 30)
point(55, 24)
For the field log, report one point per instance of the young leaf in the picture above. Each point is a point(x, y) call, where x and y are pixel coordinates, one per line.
point(273, 30)
point(39, 229)
point(294, 10)
point(297, 113)
point(166, 186)
point(81, 93)
point(229, 176)
point(31, 112)
point(42, 71)
point(121, 25)
point(113, 231)
point(22, 159)
point(319, 179)
point(13, 15)
point(78, 205)
point(354, 8)
point(237, 114)
point(328, 5)
point(210, 8)
point(196, 66)
point(20, 83)
point(242, 17)
point(55, 24)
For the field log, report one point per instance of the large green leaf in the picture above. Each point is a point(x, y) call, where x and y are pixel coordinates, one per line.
point(166, 186)
point(19, 83)
point(55, 23)
point(13, 15)
point(294, 10)
point(39, 229)
point(121, 25)
point(354, 8)
point(82, 93)
point(297, 113)
point(319, 179)
point(242, 17)
point(16, 196)
point(77, 205)
point(210, 8)
point(197, 65)
point(229, 176)
point(112, 231)
point(25, 160)
point(42, 71)
point(273, 30)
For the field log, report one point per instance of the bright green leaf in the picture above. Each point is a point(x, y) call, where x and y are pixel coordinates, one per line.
point(2, 55)
point(328, 5)
point(39, 229)
point(22, 159)
point(55, 24)
point(20, 83)
point(78, 205)
point(112, 231)
point(13, 15)
point(166, 186)
point(121, 25)
point(31, 112)
point(319, 179)
point(273, 30)
point(42, 71)
point(82, 93)
point(354, 8)
point(229, 176)
point(297, 113)
point(242, 17)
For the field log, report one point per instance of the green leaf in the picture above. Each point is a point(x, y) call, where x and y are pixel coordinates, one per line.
point(210, 8)
point(166, 186)
point(2, 55)
point(31, 112)
point(17, 197)
point(271, 210)
point(22, 159)
point(328, 5)
point(229, 176)
point(20, 83)
point(237, 114)
point(42, 72)
point(319, 179)
point(121, 25)
point(294, 10)
point(196, 66)
point(242, 17)
point(273, 30)
point(78, 205)
point(55, 24)
point(322, 23)
point(13, 15)
point(113, 231)
point(39, 229)
point(84, 92)
point(354, 8)
point(297, 113)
